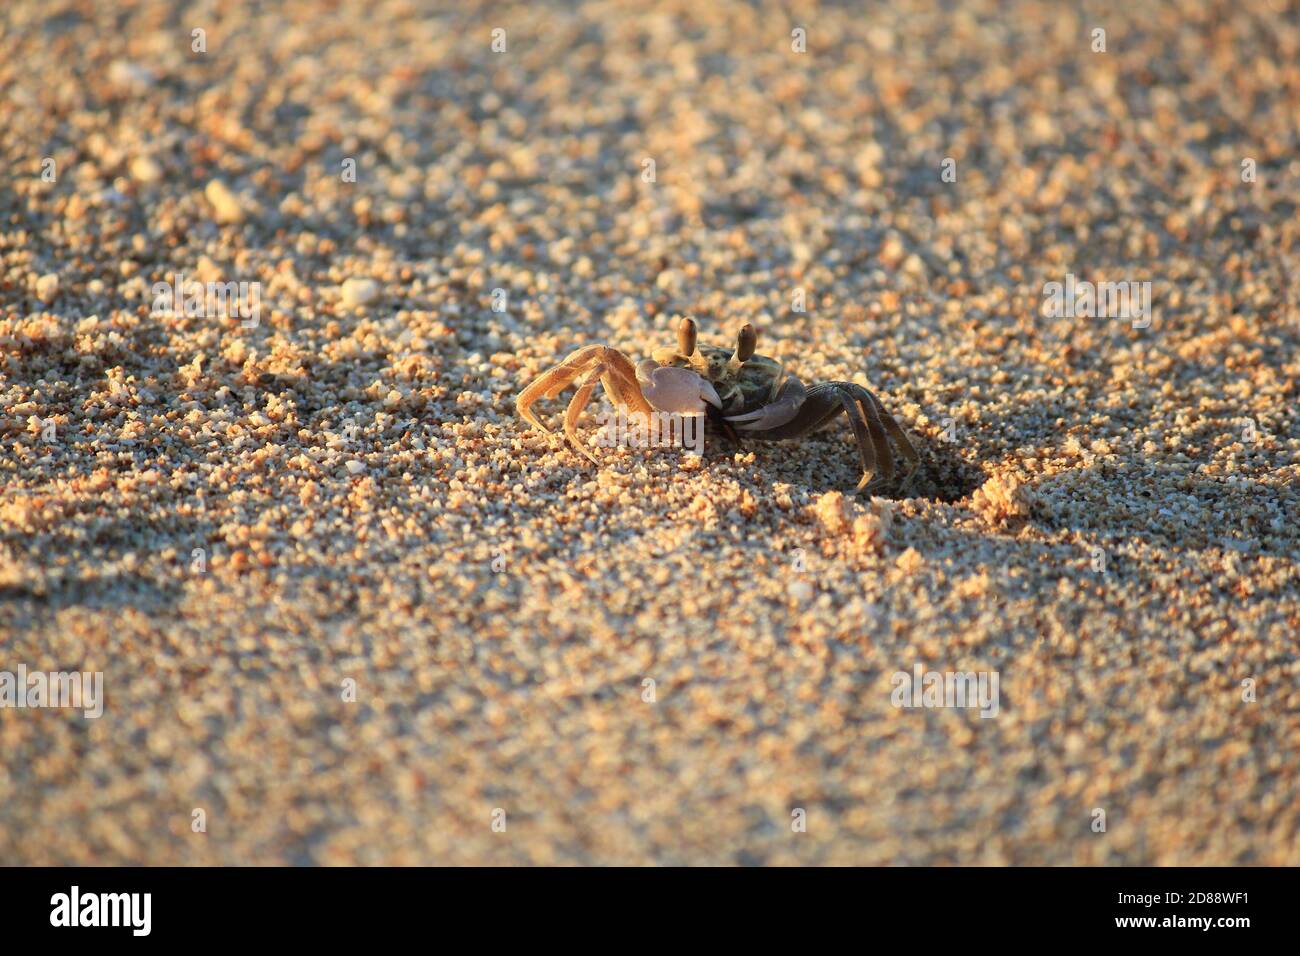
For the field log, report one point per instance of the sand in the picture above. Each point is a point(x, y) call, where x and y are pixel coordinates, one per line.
point(348, 607)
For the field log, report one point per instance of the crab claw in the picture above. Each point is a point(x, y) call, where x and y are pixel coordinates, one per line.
point(709, 394)
point(778, 413)
point(671, 389)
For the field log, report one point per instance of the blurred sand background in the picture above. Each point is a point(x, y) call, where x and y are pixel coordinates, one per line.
point(370, 509)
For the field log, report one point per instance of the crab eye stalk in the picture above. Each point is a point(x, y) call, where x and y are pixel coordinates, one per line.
point(746, 343)
point(686, 333)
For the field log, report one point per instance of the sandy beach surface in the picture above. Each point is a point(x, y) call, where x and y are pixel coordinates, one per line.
point(348, 609)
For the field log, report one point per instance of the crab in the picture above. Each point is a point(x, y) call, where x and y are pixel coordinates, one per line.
point(740, 391)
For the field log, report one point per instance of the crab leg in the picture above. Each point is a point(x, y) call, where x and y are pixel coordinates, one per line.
point(591, 364)
point(878, 439)
point(577, 404)
point(895, 430)
point(861, 433)
point(621, 383)
point(553, 381)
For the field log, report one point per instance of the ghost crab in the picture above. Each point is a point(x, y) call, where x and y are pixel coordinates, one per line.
point(739, 390)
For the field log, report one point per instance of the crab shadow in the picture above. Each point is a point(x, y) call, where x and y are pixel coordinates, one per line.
point(828, 461)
